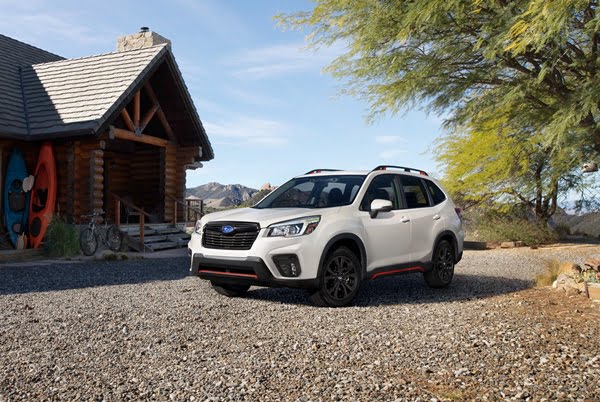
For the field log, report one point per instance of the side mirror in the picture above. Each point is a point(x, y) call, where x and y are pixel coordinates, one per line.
point(378, 206)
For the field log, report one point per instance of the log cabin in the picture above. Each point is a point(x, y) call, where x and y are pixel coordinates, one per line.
point(123, 125)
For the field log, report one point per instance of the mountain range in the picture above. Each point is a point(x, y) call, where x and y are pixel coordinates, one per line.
point(216, 195)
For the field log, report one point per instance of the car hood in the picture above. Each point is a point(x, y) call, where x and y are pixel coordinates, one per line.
point(266, 216)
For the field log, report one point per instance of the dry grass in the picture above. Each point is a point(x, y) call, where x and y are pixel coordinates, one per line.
point(551, 272)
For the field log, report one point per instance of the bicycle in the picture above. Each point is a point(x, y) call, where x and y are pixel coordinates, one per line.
point(108, 234)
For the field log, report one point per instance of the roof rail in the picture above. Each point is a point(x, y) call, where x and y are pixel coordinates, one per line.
point(406, 169)
point(322, 170)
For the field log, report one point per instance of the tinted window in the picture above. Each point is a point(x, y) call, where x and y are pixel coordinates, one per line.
point(437, 195)
point(381, 188)
point(314, 192)
point(414, 192)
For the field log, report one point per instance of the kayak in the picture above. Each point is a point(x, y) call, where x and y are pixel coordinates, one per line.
point(16, 201)
point(43, 196)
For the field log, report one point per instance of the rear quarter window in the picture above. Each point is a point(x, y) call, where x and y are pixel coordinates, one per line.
point(437, 195)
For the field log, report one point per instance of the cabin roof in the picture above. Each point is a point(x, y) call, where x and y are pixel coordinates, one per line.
point(43, 96)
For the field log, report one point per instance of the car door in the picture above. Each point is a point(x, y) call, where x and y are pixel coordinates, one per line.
point(387, 236)
point(425, 218)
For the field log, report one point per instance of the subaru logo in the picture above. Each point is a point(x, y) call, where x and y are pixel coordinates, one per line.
point(227, 229)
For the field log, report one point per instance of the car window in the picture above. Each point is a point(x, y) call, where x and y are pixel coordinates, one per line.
point(314, 192)
point(382, 187)
point(414, 192)
point(437, 195)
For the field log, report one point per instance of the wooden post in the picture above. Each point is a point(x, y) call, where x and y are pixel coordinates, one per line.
point(174, 213)
point(136, 112)
point(118, 213)
point(202, 207)
point(142, 247)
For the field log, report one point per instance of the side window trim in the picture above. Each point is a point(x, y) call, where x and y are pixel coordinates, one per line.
point(400, 193)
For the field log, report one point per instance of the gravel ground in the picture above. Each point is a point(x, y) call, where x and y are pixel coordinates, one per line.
point(145, 330)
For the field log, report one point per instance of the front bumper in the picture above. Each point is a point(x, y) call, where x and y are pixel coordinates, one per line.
point(243, 271)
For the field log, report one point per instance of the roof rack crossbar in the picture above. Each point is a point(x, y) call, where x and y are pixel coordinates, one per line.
point(406, 169)
point(322, 170)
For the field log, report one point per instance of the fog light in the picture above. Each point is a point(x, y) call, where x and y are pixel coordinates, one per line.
point(287, 264)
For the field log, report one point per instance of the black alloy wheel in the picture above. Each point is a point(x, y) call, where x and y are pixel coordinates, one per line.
point(340, 279)
point(442, 270)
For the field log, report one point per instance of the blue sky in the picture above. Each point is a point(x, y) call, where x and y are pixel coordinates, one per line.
point(268, 109)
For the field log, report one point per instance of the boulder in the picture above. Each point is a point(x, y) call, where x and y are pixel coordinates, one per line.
point(592, 264)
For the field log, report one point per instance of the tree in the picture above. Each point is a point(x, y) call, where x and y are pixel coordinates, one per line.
point(468, 58)
point(497, 164)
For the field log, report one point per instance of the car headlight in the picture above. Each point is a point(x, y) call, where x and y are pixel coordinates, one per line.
point(296, 227)
point(198, 227)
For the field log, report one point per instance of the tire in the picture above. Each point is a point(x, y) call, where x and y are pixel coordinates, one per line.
point(442, 270)
point(114, 238)
point(340, 279)
point(88, 241)
point(230, 290)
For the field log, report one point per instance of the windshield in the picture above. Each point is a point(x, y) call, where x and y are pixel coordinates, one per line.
point(314, 192)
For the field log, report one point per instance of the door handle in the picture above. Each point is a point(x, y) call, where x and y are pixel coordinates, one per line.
point(436, 217)
point(404, 219)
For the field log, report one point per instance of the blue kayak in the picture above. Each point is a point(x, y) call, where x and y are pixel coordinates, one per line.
point(16, 201)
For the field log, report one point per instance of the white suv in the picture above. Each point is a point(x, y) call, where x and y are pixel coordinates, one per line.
point(328, 230)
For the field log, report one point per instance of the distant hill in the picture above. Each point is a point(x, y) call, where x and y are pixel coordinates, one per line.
point(216, 195)
point(255, 198)
point(587, 224)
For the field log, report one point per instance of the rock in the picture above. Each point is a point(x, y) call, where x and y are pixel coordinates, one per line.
point(565, 281)
point(593, 263)
point(507, 244)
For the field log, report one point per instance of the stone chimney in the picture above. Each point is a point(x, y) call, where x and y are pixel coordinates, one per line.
point(144, 38)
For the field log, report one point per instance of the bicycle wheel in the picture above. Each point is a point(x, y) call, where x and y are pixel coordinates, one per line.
point(114, 238)
point(88, 241)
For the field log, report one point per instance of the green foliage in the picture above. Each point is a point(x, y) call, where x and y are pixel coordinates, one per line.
point(550, 273)
point(508, 224)
point(62, 240)
point(537, 60)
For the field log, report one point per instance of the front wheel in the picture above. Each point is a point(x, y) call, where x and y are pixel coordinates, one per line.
point(340, 279)
point(442, 270)
point(114, 238)
point(88, 241)
point(230, 290)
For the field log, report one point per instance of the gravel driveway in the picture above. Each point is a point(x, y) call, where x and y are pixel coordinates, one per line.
point(145, 330)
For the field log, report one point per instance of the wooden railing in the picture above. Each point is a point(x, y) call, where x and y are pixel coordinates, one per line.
point(198, 213)
point(129, 204)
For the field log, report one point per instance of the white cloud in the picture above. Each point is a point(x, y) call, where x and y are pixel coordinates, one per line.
point(388, 139)
point(391, 154)
point(281, 59)
point(249, 131)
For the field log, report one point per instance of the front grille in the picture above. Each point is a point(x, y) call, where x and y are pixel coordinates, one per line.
point(241, 238)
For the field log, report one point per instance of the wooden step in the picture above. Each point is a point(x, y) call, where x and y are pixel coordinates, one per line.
point(162, 245)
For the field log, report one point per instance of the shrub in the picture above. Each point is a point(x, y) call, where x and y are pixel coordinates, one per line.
point(505, 229)
point(62, 239)
point(551, 271)
point(562, 230)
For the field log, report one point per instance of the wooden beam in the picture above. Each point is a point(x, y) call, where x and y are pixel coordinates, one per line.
point(143, 138)
point(136, 112)
point(127, 119)
point(148, 117)
point(160, 113)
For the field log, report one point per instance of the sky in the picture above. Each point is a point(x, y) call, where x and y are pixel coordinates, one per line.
point(268, 108)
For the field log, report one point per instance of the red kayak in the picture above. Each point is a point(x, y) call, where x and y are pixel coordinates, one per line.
point(43, 196)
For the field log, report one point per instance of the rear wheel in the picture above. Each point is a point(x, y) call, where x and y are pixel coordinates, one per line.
point(114, 238)
point(230, 290)
point(442, 270)
point(340, 279)
point(88, 241)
